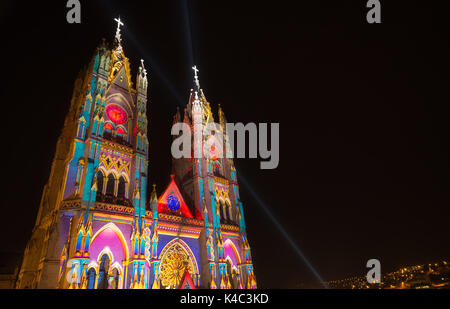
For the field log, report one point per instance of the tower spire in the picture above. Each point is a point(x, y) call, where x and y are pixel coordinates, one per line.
point(118, 34)
point(142, 78)
point(197, 82)
point(142, 69)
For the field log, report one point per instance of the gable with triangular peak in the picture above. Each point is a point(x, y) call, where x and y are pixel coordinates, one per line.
point(186, 281)
point(172, 202)
point(121, 79)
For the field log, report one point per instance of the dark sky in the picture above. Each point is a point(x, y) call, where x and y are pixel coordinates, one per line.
point(363, 110)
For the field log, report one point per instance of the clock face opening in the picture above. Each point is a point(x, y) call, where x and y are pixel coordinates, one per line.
point(116, 114)
point(173, 203)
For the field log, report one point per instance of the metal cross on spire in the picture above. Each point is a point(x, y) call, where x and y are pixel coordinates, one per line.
point(119, 24)
point(197, 83)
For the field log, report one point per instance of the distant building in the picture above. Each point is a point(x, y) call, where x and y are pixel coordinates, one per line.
point(427, 276)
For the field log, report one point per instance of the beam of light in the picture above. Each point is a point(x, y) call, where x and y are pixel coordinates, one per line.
point(188, 32)
point(294, 246)
point(154, 67)
point(190, 49)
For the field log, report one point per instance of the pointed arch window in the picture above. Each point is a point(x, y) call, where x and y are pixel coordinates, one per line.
point(174, 263)
point(121, 188)
point(79, 241)
point(230, 275)
point(87, 242)
point(222, 210)
point(121, 132)
point(217, 167)
point(115, 279)
point(107, 129)
point(81, 124)
point(91, 275)
point(230, 211)
point(80, 169)
point(103, 272)
point(234, 278)
point(100, 182)
point(110, 185)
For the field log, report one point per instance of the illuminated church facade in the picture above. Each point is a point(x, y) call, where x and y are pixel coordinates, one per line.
point(97, 228)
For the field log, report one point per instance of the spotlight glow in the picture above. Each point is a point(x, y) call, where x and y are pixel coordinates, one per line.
point(294, 246)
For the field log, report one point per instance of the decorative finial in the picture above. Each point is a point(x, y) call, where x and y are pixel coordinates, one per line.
point(142, 68)
point(119, 24)
point(197, 83)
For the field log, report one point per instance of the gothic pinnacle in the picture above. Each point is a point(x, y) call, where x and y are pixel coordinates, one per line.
point(196, 80)
point(142, 69)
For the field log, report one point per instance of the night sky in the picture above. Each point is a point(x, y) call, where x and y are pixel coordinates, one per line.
point(363, 110)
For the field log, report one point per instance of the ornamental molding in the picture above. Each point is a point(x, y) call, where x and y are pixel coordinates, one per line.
point(113, 208)
point(221, 180)
point(228, 227)
point(117, 147)
point(70, 205)
point(178, 219)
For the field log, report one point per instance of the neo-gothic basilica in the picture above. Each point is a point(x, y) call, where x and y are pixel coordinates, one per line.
point(97, 228)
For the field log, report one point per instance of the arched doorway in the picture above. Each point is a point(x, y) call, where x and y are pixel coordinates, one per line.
point(230, 274)
point(110, 258)
point(233, 261)
point(103, 272)
point(91, 278)
point(175, 260)
point(115, 279)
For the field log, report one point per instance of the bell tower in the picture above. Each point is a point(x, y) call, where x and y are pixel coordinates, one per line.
point(101, 160)
point(209, 179)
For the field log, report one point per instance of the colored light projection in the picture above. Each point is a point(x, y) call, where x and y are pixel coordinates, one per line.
point(187, 282)
point(213, 146)
point(232, 253)
point(118, 242)
point(121, 131)
point(111, 238)
point(173, 266)
point(147, 240)
point(116, 114)
point(173, 203)
point(108, 127)
point(213, 153)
